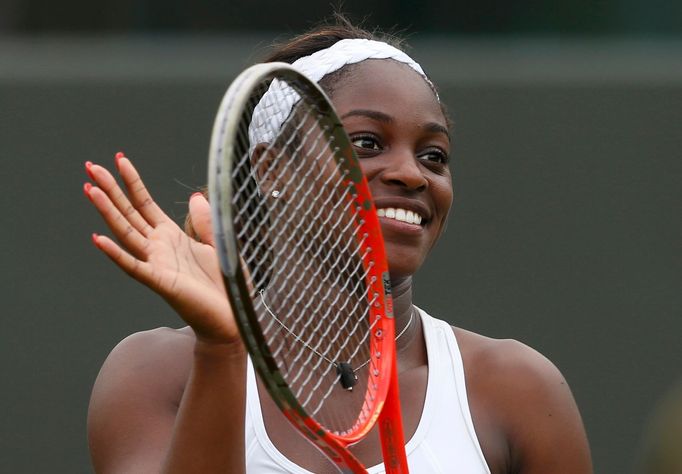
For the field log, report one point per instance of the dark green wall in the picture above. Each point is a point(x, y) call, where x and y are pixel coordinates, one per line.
point(498, 17)
point(565, 232)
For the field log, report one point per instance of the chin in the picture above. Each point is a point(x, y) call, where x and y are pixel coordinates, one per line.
point(403, 264)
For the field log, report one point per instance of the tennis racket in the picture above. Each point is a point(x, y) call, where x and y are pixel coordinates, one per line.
point(304, 264)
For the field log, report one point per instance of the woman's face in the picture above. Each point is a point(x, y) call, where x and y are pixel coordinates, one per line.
point(401, 138)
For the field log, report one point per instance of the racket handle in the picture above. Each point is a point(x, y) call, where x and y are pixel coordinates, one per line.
point(391, 428)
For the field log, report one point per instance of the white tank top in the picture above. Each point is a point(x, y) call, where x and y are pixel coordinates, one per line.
point(444, 441)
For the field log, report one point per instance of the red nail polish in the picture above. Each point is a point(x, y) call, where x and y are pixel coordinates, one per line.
point(88, 166)
point(118, 157)
point(86, 190)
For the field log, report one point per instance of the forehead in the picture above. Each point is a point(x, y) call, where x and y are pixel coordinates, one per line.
point(388, 86)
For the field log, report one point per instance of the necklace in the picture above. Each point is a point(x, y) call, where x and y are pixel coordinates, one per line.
point(344, 370)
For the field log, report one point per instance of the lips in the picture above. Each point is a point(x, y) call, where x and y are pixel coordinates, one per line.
point(402, 215)
point(410, 211)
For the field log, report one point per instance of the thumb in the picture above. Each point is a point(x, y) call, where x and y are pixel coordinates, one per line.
point(200, 213)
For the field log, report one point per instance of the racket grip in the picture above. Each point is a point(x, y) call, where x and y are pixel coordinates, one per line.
point(391, 428)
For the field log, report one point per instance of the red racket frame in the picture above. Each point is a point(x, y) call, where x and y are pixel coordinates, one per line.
point(383, 392)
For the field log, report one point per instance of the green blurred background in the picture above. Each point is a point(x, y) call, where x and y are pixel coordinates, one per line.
point(565, 232)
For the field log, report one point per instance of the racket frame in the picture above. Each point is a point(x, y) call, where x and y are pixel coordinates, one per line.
point(382, 341)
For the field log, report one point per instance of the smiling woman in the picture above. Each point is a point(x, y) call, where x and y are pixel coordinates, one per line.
point(404, 147)
point(187, 400)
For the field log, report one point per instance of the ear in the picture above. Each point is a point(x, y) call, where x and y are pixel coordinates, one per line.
point(271, 168)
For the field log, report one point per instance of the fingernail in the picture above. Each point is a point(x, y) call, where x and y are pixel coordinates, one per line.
point(94, 239)
point(86, 190)
point(88, 165)
point(118, 157)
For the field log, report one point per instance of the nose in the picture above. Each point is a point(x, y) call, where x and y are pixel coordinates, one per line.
point(402, 168)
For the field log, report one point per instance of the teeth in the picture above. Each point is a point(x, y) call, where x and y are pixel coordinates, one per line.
point(402, 215)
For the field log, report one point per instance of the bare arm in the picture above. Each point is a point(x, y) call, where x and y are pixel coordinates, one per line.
point(166, 401)
point(544, 426)
point(141, 421)
point(525, 416)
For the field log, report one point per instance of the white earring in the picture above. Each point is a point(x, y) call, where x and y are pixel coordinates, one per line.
point(275, 194)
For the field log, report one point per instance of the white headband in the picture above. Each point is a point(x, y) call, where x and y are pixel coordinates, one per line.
point(351, 51)
point(264, 126)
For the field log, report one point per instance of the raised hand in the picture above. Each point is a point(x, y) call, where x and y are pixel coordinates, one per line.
point(156, 252)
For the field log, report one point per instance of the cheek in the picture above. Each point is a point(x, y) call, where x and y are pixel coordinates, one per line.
point(371, 171)
point(442, 193)
point(369, 168)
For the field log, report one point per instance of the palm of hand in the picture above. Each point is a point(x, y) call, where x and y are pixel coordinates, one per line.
point(155, 251)
point(186, 273)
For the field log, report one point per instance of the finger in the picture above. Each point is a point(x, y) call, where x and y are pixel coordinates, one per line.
point(106, 182)
point(138, 193)
point(119, 224)
point(200, 213)
point(139, 270)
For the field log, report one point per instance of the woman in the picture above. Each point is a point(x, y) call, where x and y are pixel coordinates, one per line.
point(174, 400)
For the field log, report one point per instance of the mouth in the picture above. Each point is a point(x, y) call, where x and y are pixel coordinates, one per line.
point(401, 215)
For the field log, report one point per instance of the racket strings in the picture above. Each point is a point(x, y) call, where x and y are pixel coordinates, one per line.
point(323, 357)
point(327, 317)
point(301, 250)
point(280, 150)
point(340, 306)
point(298, 226)
point(318, 303)
point(259, 243)
point(246, 185)
point(255, 191)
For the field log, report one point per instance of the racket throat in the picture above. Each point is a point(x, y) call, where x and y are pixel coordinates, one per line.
point(346, 374)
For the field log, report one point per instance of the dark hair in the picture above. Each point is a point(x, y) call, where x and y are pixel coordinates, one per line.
point(324, 36)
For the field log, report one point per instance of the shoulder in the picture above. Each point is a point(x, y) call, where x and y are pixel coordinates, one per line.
point(158, 343)
point(136, 396)
point(522, 400)
point(152, 350)
point(154, 364)
point(507, 363)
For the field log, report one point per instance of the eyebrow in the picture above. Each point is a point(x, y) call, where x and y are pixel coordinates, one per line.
point(373, 114)
point(431, 127)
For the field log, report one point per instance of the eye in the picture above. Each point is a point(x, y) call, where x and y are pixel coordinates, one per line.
point(365, 143)
point(435, 155)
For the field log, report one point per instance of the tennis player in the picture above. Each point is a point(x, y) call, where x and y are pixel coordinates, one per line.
point(187, 400)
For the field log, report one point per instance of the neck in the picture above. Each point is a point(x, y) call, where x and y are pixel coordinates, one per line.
point(402, 298)
point(403, 310)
